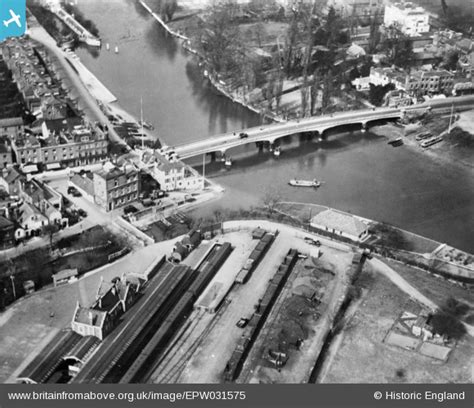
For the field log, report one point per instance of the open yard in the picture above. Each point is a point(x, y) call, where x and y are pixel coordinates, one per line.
point(206, 344)
point(363, 357)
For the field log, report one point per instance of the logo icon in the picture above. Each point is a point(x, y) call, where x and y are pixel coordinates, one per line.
point(12, 18)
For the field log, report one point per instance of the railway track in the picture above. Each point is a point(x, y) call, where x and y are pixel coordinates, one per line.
point(172, 373)
point(244, 378)
point(114, 346)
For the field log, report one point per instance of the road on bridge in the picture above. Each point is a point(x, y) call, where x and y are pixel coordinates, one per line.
point(272, 132)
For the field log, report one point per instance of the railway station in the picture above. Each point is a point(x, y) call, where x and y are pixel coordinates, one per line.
point(143, 328)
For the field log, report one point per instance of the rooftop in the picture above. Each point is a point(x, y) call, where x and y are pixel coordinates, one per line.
point(11, 122)
point(92, 317)
point(333, 219)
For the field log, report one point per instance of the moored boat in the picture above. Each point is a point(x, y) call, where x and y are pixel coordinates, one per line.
point(431, 141)
point(395, 141)
point(304, 183)
point(147, 125)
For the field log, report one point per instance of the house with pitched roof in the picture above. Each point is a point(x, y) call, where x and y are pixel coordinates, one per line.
point(31, 221)
point(112, 300)
point(11, 127)
point(7, 233)
point(169, 172)
point(342, 224)
point(12, 180)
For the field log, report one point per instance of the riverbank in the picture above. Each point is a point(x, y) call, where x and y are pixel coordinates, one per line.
point(392, 242)
point(213, 78)
point(449, 151)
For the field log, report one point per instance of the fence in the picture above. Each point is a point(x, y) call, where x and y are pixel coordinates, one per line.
point(435, 266)
point(432, 265)
point(212, 229)
point(135, 231)
point(118, 254)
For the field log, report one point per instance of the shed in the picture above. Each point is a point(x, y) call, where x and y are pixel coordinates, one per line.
point(29, 286)
point(64, 276)
point(258, 233)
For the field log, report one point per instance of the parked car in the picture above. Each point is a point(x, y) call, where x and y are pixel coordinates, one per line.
point(242, 322)
point(71, 189)
point(147, 202)
point(243, 135)
point(312, 241)
point(82, 213)
point(130, 209)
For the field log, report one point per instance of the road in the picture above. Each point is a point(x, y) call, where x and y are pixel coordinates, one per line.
point(319, 123)
point(39, 34)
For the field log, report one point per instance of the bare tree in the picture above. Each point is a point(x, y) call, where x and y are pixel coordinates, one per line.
point(271, 198)
point(50, 230)
point(314, 91)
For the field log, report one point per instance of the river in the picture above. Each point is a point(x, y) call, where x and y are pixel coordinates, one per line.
point(362, 174)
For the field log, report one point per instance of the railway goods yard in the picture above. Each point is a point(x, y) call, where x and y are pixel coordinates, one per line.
point(243, 305)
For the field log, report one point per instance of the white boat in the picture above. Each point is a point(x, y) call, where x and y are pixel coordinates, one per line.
point(304, 183)
point(93, 42)
point(277, 152)
point(116, 50)
point(107, 46)
point(432, 141)
point(397, 141)
point(228, 162)
point(146, 125)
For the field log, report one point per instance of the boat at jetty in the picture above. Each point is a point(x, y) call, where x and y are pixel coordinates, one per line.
point(116, 50)
point(146, 125)
point(396, 142)
point(304, 183)
point(432, 141)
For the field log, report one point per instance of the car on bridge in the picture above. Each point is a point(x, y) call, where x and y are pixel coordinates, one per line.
point(243, 135)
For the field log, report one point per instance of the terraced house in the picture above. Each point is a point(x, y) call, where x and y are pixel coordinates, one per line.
point(62, 145)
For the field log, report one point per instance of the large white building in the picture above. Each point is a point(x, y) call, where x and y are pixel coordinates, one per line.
point(170, 173)
point(412, 20)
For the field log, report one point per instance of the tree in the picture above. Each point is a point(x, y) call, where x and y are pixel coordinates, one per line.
point(219, 38)
point(327, 90)
point(448, 325)
point(378, 92)
point(168, 8)
point(374, 37)
point(314, 88)
point(50, 230)
point(260, 32)
point(450, 59)
point(271, 198)
point(398, 47)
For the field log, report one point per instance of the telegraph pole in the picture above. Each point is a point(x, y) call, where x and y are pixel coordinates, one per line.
point(13, 286)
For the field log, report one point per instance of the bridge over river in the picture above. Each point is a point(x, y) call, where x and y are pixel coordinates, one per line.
point(317, 124)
